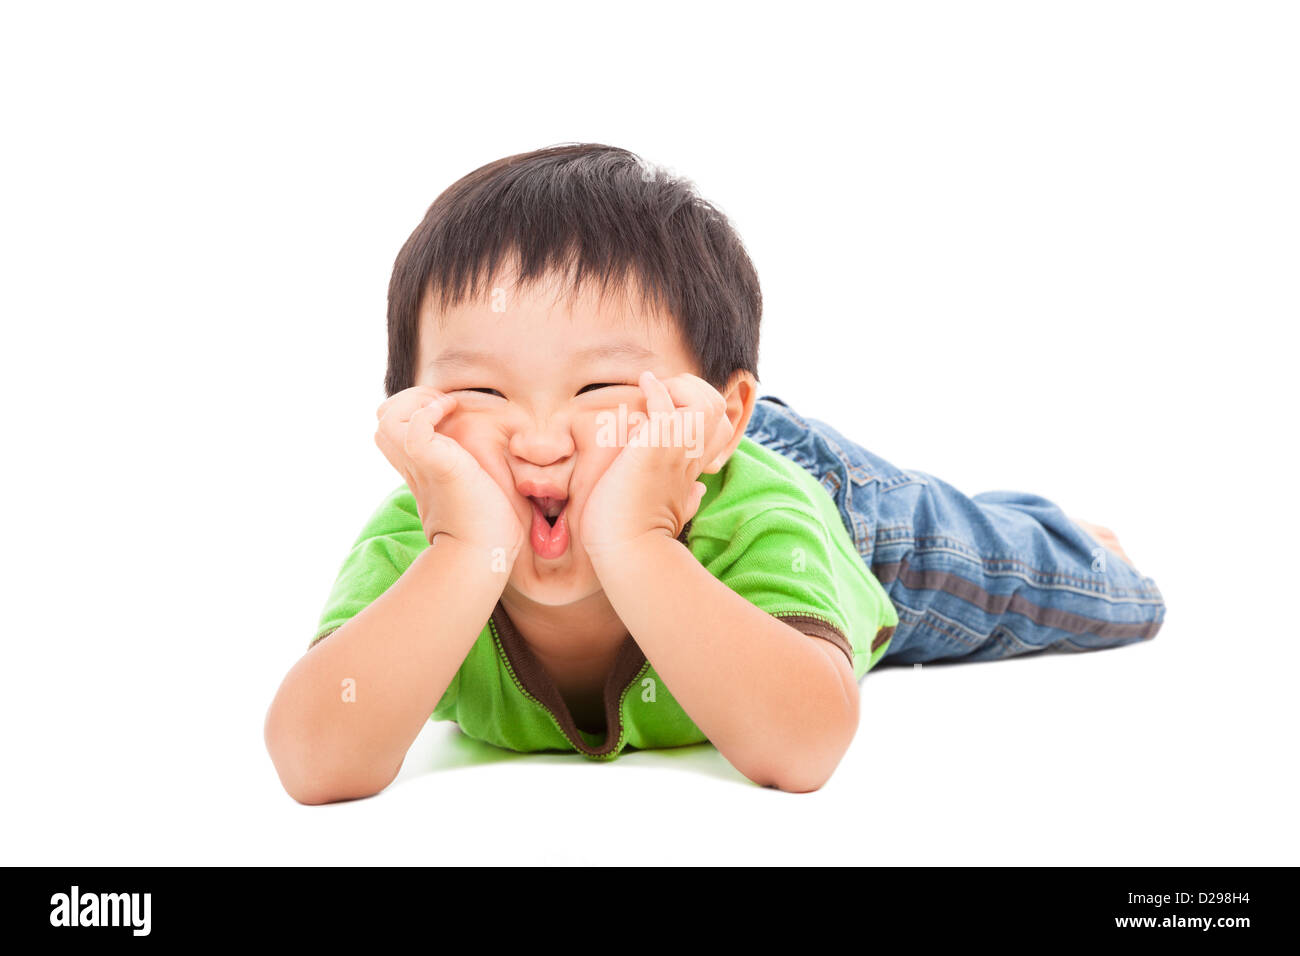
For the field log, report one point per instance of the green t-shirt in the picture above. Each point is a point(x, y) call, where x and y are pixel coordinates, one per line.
point(765, 528)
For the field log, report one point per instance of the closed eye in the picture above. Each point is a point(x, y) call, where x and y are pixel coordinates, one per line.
point(586, 388)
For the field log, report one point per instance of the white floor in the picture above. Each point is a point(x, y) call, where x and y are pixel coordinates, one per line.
point(1177, 751)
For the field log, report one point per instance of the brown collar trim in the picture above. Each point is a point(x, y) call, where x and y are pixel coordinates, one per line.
point(532, 675)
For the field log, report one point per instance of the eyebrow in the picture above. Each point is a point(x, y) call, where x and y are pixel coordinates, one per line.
point(469, 358)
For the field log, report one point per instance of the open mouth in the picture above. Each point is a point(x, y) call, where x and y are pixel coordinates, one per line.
point(550, 530)
point(549, 507)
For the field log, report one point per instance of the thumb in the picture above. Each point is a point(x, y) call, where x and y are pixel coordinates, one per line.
point(698, 490)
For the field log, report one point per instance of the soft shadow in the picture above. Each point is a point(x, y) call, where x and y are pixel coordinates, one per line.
point(887, 665)
point(703, 759)
point(456, 750)
point(452, 749)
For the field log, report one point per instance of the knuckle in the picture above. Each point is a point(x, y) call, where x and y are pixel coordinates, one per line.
point(427, 392)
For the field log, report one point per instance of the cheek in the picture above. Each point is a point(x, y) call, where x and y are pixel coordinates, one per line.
point(593, 461)
point(599, 426)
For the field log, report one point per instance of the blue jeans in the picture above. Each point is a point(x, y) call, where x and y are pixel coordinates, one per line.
point(980, 578)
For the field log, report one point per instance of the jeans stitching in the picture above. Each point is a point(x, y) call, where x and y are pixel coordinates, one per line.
point(941, 625)
point(857, 473)
point(1013, 644)
point(1099, 587)
point(994, 566)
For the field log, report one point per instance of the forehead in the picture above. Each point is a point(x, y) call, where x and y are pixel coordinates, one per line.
point(512, 321)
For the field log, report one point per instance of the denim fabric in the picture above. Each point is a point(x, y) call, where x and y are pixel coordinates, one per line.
point(973, 578)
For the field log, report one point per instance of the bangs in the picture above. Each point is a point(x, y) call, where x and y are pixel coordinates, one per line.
point(588, 218)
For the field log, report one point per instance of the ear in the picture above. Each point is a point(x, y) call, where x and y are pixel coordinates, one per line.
point(741, 394)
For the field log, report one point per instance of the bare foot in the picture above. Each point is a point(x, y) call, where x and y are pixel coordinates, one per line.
point(1104, 536)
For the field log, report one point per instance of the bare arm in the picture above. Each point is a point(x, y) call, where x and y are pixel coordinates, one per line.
point(400, 653)
point(781, 706)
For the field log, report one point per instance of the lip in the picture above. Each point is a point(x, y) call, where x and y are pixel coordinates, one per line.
point(541, 489)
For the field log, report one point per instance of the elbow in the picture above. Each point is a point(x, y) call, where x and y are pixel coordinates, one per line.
point(799, 779)
point(791, 777)
point(313, 794)
point(308, 774)
point(806, 760)
point(319, 793)
point(799, 784)
point(800, 771)
point(314, 786)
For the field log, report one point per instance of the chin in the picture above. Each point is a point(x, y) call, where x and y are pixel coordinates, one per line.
point(555, 587)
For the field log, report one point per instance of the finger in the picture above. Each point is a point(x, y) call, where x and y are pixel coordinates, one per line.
point(715, 449)
point(422, 444)
point(693, 391)
point(703, 401)
point(402, 396)
point(399, 415)
point(385, 446)
point(395, 455)
point(688, 389)
point(408, 400)
point(657, 396)
point(698, 490)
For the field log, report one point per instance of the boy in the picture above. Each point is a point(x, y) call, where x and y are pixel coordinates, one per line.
point(606, 539)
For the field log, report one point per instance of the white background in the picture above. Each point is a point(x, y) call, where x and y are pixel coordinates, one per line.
point(1045, 247)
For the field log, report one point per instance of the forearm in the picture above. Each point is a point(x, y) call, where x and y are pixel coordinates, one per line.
point(397, 656)
point(768, 697)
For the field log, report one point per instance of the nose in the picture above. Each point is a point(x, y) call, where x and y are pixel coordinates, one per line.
point(543, 442)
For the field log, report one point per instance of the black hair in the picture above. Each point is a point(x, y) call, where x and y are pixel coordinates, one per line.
point(586, 211)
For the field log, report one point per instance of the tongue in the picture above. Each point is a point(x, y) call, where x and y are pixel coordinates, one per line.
point(548, 541)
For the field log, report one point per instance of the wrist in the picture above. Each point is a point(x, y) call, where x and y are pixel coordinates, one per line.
point(496, 551)
point(652, 544)
point(489, 535)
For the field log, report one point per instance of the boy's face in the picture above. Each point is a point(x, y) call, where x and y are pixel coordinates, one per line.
point(532, 374)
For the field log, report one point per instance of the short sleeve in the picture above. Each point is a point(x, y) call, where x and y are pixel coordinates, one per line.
point(782, 561)
point(391, 540)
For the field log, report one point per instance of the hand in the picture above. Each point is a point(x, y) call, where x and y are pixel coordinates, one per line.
point(453, 493)
point(650, 487)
